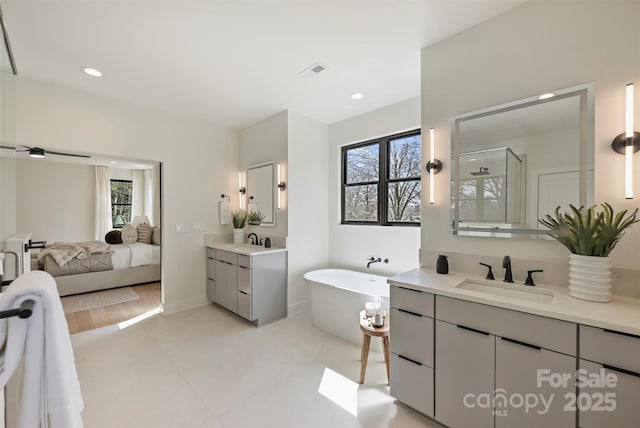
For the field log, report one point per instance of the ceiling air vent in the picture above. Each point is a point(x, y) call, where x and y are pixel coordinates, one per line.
point(313, 71)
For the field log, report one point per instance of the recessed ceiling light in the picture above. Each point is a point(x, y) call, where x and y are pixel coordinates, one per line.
point(113, 162)
point(357, 96)
point(545, 96)
point(472, 160)
point(94, 72)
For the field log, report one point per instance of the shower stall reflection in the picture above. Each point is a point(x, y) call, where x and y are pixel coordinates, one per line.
point(490, 188)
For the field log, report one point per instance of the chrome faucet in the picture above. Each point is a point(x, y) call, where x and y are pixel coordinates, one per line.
point(506, 264)
point(251, 236)
point(371, 261)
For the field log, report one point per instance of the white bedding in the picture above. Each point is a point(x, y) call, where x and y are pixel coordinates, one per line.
point(133, 255)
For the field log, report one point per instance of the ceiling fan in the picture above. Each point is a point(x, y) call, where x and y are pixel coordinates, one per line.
point(38, 152)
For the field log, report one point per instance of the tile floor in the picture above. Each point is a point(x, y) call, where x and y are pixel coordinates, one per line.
point(207, 368)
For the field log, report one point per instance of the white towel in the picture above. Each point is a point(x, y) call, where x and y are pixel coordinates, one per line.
point(225, 212)
point(50, 391)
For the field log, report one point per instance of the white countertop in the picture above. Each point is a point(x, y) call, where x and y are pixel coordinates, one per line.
point(245, 249)
point(621, 314)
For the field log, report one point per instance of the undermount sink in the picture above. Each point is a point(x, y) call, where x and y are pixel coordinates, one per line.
point(514, 291)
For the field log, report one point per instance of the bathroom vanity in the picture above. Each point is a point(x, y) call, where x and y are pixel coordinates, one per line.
point(248, 280)
point(484, 358)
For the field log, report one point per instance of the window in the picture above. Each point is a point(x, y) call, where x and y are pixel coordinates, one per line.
point(121, 191)
point(381, 181)
point(482, 199)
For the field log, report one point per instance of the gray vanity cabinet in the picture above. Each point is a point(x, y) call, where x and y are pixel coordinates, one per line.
point(254, 287)
point(411, 342)
point(611, 357)
point(481, 349)
point(517, 366)
point(464, 370)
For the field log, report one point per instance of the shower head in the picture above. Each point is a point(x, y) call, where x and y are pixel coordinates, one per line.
point(483, 171)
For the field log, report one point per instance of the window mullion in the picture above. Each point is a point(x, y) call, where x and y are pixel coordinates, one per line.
point(382, 188)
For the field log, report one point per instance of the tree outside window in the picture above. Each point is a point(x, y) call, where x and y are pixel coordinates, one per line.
point(121, 196)
point(381, 181)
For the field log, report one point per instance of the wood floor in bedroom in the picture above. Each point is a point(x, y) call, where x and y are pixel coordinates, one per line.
point(113, 314)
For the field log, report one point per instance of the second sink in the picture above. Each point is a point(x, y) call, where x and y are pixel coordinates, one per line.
point(521, 292)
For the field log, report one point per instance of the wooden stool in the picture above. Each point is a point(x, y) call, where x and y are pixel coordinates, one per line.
point(369, 330)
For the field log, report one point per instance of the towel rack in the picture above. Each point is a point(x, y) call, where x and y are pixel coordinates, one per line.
point(24, 311)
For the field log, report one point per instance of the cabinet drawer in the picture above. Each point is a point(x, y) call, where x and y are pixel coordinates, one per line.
point(211, 290)
point(608, 347)
point(412, 336)
point(548, 333)
point(244, 279)
point(227, 257)
point(211, 268)
point(627, 390)
point(244, 305)
point(415, 301)
point(412, 384)
point(244, 261)
point(211, 253)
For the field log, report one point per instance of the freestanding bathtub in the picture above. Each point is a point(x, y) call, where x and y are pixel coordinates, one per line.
point(338, 296)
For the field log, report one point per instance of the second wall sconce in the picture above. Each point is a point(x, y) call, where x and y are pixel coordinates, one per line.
point(281, 187)
point(241, 191)
point(628, 143)
point(434, 166)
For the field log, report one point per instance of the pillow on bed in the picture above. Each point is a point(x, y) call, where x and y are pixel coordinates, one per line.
point(129, 234)
point(155, 235)
point(113, 237)
point(144, 233)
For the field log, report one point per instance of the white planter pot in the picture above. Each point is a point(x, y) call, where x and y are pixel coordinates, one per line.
point(590, 278)
point(238, 236)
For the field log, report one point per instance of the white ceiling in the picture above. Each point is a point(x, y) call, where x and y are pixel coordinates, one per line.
point(237, 62)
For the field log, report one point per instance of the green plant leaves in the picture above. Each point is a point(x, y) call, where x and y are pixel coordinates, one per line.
point(589, 232)
point(239, 219)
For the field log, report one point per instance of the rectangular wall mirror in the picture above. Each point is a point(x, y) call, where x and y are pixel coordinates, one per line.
point(514, 163)
point(261, 191)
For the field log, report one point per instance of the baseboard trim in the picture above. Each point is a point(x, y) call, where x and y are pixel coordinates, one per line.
point(183, 305)
point(298, 308)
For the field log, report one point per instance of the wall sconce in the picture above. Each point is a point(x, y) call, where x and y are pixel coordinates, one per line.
point(434, 166)
point(627, 144)
point(281, 186)
point(241, 191)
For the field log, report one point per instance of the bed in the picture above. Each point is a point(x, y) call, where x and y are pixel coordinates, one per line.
point(119, 265)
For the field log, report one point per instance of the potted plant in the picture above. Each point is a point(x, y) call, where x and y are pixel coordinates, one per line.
point(590, 234)
point(255, 218)
point(239, 220)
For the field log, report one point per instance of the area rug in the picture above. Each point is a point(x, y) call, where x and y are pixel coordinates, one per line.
point(98, 299)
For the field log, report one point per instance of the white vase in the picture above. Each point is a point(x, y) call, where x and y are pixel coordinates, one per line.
point(238, 236)
point(590, 278)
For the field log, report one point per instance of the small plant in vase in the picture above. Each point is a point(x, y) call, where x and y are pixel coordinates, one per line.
point(255, 218)
point(239, 220)
point(590, 235)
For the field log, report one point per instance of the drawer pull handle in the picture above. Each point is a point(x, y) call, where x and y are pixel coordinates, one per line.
point(243, 267)
point(410, 289)
point(472, 329)
point(517, 342)
point(621, 333)
point(410, 360)
point(415, 314)
point(616, 369)
point(243, 292)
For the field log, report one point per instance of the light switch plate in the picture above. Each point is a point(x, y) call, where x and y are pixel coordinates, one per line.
point(197, 227)
point(183, 228)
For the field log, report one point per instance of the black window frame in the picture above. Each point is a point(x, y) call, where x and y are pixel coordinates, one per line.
point(112, 204)
point(382, 182)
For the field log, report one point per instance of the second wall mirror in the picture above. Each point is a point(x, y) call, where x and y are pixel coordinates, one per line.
point(261, 191)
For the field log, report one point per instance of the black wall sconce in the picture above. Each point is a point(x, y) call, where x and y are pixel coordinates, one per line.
point(628, 143)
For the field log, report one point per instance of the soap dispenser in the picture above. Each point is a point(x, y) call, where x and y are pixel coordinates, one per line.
point(442, 265)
